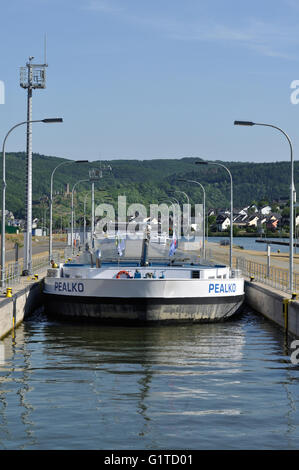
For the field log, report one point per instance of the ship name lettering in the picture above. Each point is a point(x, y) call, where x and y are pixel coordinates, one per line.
point(219, 288)
point(69, 286)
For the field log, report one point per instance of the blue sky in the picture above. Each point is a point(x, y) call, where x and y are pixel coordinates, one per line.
point(154, 79)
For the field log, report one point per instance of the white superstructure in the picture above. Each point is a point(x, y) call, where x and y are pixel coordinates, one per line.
point(158, 292)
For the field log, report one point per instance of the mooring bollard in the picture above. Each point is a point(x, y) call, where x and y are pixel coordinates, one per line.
point(8, 292)
point(36, 277)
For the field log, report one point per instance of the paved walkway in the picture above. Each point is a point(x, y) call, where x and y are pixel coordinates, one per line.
point(24, 281)
point(278, 260)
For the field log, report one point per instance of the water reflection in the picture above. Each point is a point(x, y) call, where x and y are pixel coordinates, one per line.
point(203, 386)
point(14, 379)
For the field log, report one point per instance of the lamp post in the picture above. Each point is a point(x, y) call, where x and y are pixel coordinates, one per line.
point(204, 211)
point(169, 200)
point(94, 176)
point(174, 204)
point(292, 191)
point(72, 213)
point(173, 201)
point(84, 214)
point(179, 209)
point(177, 202)
point(28, 239)
point(231, 206)
point(51, 203)
point(84, 219)
point(188, 202)
point(183, 192)
point(46, 121)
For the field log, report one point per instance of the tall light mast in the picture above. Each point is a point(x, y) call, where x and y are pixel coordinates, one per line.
point(32, 76)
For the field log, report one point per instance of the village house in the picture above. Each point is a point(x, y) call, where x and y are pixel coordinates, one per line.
point(272, 222)
point(222, 222)
point(266, 210)
point(240, 220)
point(252, 221)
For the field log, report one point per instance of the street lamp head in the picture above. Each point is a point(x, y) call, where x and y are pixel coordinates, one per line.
point(201, 163)
point(244, 123)
point(52, 120)
point(81, 161)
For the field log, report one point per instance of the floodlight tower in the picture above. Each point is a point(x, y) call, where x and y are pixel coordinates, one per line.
point(32, 76)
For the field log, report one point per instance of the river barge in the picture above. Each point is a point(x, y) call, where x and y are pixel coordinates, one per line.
point(135, 291)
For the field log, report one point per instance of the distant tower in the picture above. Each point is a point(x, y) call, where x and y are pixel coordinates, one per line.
point(31, 76)
point(67, 189)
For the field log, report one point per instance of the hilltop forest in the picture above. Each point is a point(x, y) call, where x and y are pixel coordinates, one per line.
point(143, 181)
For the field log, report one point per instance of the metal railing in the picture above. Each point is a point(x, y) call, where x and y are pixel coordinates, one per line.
point(270, 275)
point(13, 270)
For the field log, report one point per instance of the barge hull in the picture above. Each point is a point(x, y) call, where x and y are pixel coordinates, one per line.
point(143, 310)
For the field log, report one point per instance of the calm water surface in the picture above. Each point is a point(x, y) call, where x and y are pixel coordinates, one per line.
point(249, 243)
point(222, 386)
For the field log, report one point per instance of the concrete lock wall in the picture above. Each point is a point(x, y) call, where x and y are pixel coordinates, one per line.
point(293, 317)
point(14, 309)
point(274, 305)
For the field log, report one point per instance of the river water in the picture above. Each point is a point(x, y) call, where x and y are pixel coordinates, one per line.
point(249, 243)
point(230, 385)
